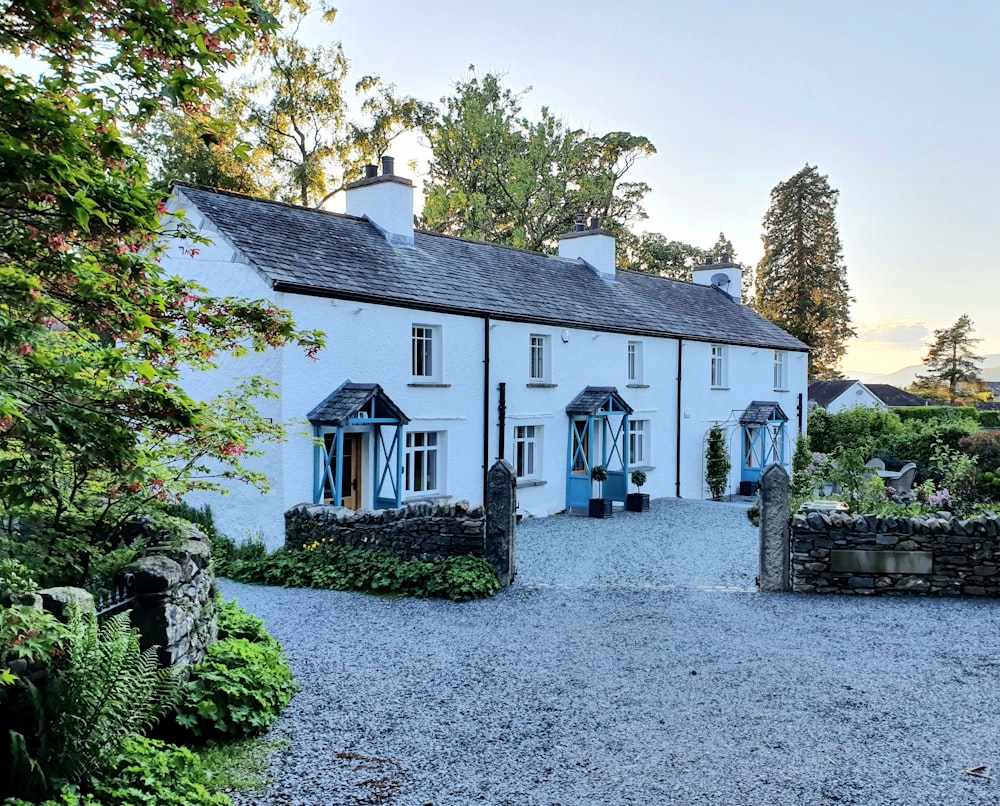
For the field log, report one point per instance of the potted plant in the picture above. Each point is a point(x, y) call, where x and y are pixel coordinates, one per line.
point(600, 507)
point(717, 462)
point(637, 501)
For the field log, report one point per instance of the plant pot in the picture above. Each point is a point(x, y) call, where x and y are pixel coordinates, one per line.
point(601, 507)
point(637, 502)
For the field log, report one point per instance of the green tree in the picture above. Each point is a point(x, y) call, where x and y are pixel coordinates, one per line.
point(801, 282)
point(950, 361)
point(94, 424)
point(655, 254)
point(498, 176)
point(717, 462)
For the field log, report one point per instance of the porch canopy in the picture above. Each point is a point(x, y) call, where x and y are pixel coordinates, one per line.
point(763, 424)
point(598, 435)
point(367, 406)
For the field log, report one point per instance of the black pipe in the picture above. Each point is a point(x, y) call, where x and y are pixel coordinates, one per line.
point(799, 411)
point(677, 469)
point(502, 413)
point(486, 406)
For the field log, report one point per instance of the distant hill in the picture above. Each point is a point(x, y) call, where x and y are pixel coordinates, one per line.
point(907, 375)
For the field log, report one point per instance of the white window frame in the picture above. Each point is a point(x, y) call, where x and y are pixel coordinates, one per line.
point(423, 461)
point(719, 369)
point(638, 442)
point(539, 358)
point(527, 452)
point(780, 371)
point(425, 352)
point(635, 362)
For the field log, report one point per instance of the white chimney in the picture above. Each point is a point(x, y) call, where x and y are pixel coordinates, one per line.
point(594, 245)
point(724, 275)
point(386, 201)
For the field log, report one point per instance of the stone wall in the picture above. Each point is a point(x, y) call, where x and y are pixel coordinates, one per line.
point(425, 531)
point(175, 599)
point(869, 554)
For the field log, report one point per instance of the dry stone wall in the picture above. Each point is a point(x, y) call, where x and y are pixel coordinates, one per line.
point(175, 599)
point(428, 531)
point(869, 554)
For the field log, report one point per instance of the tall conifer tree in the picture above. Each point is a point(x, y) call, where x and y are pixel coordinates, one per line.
point(801, 283)
point(950, 361)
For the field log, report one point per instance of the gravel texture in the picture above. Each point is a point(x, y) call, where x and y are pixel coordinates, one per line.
point(634, 683)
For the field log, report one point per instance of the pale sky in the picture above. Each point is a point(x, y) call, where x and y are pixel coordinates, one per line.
point(896, 102)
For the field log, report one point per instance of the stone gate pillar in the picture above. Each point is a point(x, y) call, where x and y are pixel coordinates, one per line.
point(774, 518)
point(501, 520)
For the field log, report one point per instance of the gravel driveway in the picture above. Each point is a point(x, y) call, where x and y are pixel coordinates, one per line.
point(636, 685)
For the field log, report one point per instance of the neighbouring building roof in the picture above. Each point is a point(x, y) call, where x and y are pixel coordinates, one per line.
point(825, 392)
point(761, 412)
point(316, 252)
point(894, 397)
point(348, 399)
point(593, 397)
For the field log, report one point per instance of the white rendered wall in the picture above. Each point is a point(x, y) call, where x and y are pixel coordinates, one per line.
point(857, 394)
point(389, 204)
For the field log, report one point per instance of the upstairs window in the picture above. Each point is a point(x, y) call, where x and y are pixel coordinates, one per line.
point(426, 353)
point(635, 362)
point(718, 366)
point(539, 359)
point(780, 370)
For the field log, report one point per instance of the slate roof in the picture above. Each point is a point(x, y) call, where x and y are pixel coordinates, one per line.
point(894, 397)
point(593, 397)
point(759, 413)
point(329, 254)
point(825, 392)
point(348, 399)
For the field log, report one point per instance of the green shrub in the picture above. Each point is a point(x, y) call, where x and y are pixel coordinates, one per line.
point(15, 577)
point(235, 622)
point(989, 419)
point(852, 429)
point(717, 464)
point(105, 691)
point(237, 690)
point(323, 565)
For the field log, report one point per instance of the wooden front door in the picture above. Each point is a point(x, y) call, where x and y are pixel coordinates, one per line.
point(350, 462)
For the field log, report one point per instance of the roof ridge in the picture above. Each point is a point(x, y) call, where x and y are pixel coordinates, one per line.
point(273, 202)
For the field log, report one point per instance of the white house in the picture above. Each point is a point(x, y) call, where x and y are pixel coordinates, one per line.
point(444, 354)
point(836, 396)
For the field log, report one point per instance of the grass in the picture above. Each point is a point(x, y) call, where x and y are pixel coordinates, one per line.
point(239, 766)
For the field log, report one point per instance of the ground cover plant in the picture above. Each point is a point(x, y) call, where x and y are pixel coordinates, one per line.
point(324, 565)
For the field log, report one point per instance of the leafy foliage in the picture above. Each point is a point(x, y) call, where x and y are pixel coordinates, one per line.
point(638, 478)
point(235, 622)
point(94, 425)
point(499, 176)
point(106, 691)
point(854, 428)
point(323, 565)
point(717, 463)
point(950, 361)
point(801, 282)
point(238, 689)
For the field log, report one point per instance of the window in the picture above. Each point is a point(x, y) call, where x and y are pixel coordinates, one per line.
point(780, 380)
point(423, 351)
point(539, 370)
point(718, 366)
point(635, 362)
point(527, 449)
point(423, 464)
point(580, 447)
point(638, 442)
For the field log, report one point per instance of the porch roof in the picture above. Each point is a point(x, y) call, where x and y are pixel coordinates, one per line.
point(590, 400)
point(348, 399)
point(761, 412)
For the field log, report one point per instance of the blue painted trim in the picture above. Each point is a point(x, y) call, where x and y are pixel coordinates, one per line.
point(338, 499)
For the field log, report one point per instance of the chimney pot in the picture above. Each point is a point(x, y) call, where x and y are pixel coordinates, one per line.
point(595, 222)
point(709, 260)
point(371, 171)
point(581, 223)
point(387, 166)
point(725, 257)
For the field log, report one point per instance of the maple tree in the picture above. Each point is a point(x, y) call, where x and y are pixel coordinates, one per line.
point(95, 425)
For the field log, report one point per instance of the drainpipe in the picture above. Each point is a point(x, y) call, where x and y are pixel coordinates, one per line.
point(677, 468)
point(486, 405)
point(501, 416)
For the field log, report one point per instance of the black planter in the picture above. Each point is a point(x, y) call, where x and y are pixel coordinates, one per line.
point(637, 502)
point(601, 507)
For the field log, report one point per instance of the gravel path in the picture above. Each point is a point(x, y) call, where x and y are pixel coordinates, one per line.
point(633, 692)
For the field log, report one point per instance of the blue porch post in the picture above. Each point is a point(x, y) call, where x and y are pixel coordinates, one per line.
point(399, 466)
point(318, 473)
point(337, 497)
